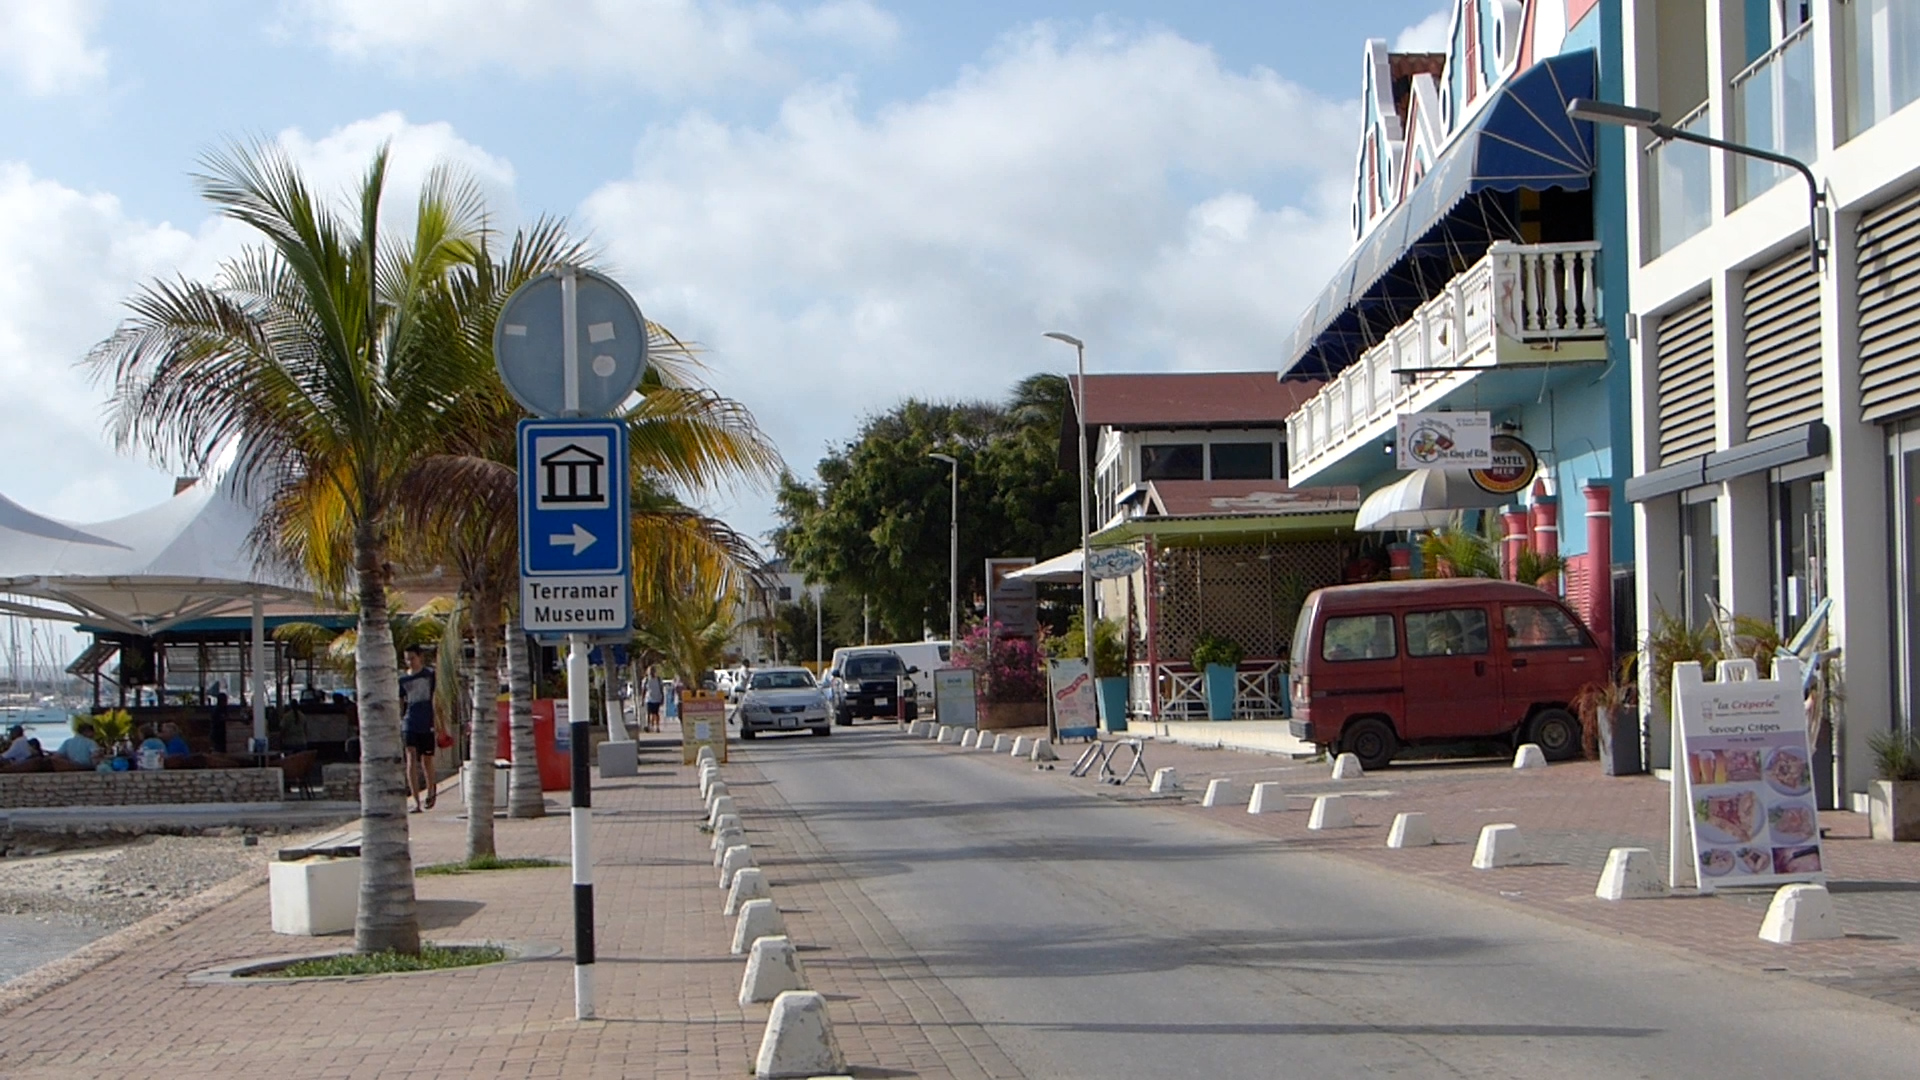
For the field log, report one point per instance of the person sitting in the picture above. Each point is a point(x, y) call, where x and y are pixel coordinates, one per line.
point(30, 758)
point(80, 748)
point(176, 743)
point(152, 748)
point(19, 747)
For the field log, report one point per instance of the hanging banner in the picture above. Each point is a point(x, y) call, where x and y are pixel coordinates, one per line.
point(1076, 711)
point(1743, 777)
point(953, 699)
point(1445, 440)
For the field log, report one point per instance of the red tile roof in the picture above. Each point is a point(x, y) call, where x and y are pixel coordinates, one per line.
point(1192, 399)
point(1245, 498)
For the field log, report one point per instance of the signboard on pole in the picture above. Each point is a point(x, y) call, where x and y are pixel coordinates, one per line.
point(953, 697)
point(1115, 562)
point(1011, 601)
point(574, 523)
point(1076, 711)
point(1445, 440)
point(1743, 778)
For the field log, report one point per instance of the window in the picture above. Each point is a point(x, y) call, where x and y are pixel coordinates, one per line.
point(786, 594)
point(1455, 632)
point(874, 667)
point(1182, 461)
point(1358, 637)
point(1799, 550)
point(782, 680)
point(1542, 626)
point(1699, 561)
point(1880, 40)
point(1242, 460)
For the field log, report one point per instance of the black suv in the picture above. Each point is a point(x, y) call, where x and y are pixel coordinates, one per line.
point(873, 683)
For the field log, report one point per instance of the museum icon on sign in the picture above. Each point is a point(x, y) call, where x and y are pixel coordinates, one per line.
point(572, 472)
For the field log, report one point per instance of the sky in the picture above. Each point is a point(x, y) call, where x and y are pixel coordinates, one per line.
point(844, 202)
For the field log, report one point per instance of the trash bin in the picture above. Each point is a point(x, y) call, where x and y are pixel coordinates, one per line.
point(556, 764)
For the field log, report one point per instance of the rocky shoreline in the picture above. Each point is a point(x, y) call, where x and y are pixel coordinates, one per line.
point(114, 886)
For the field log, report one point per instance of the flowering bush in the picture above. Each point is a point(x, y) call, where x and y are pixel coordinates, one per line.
point(1007, 668)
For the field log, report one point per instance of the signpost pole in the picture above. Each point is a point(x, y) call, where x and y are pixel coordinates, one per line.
point(578, 717)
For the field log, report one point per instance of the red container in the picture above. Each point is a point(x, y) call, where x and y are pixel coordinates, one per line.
point(556, 765)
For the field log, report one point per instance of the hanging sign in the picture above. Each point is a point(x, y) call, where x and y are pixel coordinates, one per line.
point(1513, 468)
point(1445, 440)
point(1076, 712)
point(1114, 562)
point(1743, 779)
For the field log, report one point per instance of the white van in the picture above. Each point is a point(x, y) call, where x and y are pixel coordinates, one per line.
point(928, 656)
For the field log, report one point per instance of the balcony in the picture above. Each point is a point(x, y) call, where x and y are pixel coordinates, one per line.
point(1522, 304)
point(1773, 110)
point(1681, 180)
point(1881, 42)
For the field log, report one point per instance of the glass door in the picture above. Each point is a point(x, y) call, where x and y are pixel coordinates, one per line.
point(1904, 484)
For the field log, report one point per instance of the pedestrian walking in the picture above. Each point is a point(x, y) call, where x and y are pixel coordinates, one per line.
point(416, 699)
point(654, 694)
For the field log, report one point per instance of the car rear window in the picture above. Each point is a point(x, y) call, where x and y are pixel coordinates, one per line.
point(1453, 632)
point(1542, 626)
point(1358, 637)
point(872, 667)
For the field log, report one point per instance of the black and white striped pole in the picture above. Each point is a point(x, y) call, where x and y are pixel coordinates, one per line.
point(579, 714)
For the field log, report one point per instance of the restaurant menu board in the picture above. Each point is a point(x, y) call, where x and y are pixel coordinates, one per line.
point(1076, 712)
point(953, 700)
point(703, 722)
point(1744, 776)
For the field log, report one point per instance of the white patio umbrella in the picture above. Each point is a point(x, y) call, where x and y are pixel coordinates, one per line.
point(1423, 499)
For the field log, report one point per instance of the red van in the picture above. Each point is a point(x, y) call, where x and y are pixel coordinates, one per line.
point(1380, 666)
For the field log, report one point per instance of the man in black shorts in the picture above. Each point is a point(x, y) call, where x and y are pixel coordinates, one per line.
point(416, 703)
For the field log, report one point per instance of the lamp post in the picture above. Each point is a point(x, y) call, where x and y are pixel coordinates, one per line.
point(1607, 112)
point(953, 552)
point(1080, 418)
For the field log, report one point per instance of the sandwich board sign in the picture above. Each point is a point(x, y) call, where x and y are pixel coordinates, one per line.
point(953, 699)
point(1743, 804)
point(1076, 712)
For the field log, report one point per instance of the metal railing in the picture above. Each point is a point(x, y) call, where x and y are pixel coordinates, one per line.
point(1682, 182)
point(1260, 691)
point(1773, 110)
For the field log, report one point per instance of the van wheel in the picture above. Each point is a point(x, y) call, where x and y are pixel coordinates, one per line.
point(1557, 734)
point(1372, 741)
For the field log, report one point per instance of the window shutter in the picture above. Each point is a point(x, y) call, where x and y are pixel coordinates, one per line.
point(1685, 382)
point(1783, 345)
point(1890, 309)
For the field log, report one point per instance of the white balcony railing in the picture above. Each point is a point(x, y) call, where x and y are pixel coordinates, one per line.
point(1773, 110)
point(1524, 294)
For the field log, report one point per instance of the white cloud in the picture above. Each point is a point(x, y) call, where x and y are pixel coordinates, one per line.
point(1427, 35)
point(835, 262)
point(45, 46)
point(663, 46)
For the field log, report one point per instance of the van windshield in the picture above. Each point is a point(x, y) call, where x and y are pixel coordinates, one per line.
point(1302, 630)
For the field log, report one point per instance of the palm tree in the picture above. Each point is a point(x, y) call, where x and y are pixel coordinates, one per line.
point(312, 358)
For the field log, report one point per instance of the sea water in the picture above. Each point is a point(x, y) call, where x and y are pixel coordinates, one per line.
point(50, 724)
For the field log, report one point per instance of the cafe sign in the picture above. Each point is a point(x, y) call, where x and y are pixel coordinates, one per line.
point(1445, 440)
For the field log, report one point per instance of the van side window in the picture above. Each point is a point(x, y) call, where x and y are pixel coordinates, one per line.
point(1542, 626)
point(1358, 637)
point(1456, 632)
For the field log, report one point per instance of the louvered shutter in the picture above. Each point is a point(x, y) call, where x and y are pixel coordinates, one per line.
point(1685, 353)
point(1890, 309)
point(1783, 345)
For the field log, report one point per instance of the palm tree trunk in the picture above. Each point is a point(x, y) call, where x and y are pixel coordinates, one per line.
point(387, 917)
point(524, 799)
point(486, 693)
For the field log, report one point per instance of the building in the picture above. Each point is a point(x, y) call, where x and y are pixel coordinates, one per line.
point(1776, 407)
point(1485, 279)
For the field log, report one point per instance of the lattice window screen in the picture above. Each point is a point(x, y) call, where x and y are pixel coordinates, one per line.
point(1249, 593)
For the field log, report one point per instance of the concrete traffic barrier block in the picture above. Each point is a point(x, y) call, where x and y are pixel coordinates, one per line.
point(1042, 751)
point(1165, 781)
point(1330, 812)
point(966, 738)
point(720, 808)
point(1630, 874)
point(725, 839)
point(1266, 799)
point(1000, 744)
point(1500, 845)
point(1021, 744)
point(619, 757)
point(1410, 830)
point(1529, 757)
point(705, 754)
point(981, 742)
point(1219, 793)
point(933, 731)
point(1347, 767)
point(313, 896)
point(750, 883)
point(773, 968)
point(737, 858)
point(948, 735)
point(709, 773)
point(715, 790)
point(726, 821)
point(1800, 913)
point(757, 919)
point(799, 1041)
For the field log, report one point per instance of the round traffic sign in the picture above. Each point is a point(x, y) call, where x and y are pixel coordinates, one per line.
point(530, 346)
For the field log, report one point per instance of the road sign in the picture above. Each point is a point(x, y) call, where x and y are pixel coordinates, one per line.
point(578, 360)
point(574, 540)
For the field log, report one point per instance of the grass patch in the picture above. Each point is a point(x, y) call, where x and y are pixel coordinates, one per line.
point(431, 958)
point(484, 862)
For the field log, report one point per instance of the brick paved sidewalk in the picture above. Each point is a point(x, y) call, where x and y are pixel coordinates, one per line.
point(667, 986)
point(1574, 815)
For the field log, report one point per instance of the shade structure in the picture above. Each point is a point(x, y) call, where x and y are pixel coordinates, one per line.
point(1423, 499)
point(1061, 569)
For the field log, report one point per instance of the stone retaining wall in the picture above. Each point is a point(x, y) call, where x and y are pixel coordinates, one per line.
point(141, 788)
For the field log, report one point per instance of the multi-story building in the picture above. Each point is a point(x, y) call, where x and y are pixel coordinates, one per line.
point(1776, 405)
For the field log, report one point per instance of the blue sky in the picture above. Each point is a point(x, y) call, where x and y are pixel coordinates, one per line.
point(844, 201)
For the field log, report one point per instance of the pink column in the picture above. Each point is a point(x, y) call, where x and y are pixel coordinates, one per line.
point(1514, 526)
point(1600, 561)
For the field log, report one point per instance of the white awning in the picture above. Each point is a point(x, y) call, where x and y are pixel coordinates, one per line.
point(1060, 569)
point(1423, 499)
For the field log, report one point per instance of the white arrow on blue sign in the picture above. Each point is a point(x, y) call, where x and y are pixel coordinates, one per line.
point(574, 543)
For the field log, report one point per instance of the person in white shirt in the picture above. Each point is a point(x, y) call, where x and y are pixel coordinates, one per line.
point(80, 747)
point(19, 747)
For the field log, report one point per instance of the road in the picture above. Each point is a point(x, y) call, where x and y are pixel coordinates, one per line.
point(1093, 938)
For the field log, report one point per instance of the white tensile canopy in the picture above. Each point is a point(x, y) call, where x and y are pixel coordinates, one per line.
point(1059, 569)
point(1423, 499)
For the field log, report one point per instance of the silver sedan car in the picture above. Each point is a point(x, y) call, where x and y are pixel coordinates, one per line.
point(783, 699)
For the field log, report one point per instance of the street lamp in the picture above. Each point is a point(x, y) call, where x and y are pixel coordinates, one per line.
point(1607, 112)
point(953, 553)
point(1086, 575)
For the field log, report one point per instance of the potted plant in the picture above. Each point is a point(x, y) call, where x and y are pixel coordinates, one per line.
point(1894, 799)
point(1219, 658)
point(1610, 723)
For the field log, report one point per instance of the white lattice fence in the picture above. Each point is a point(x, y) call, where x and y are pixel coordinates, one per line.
point(1249, 593)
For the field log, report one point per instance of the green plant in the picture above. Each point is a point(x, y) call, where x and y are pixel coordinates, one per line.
point(1457, 551)
point(1610, 695)
point(109, 725)
point(388, 962)
point(1896, 755)
point(1674, 641)
point(484, 862)
point(1214, 649)
point(1109, 646)
point(1531, 567)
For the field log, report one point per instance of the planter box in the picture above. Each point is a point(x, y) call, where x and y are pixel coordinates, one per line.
point(998, 715)
point(1620, 743)
point(1223, 690)
point(1893, 812)
point(1113, 702)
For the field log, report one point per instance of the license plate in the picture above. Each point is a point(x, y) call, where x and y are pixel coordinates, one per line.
point(789, 721)
point(881, 703)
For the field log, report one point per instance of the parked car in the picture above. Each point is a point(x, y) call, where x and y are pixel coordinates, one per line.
point(926, 656)
point(1381, 666)
point(782, 699)
point(874, 682)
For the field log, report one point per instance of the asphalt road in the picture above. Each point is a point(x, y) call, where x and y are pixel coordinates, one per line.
point(1098, 939)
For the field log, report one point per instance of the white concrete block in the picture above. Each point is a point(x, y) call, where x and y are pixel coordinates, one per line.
point(1630, 874)
point(967, 736)
point(314, 896)
point(1862, 802)
point(720, 808)
point(705, 754)
point(1000, 743)
point(1219, 793)
point(1330, 812)
point(619, 757)
point(723, 840)
point(773, 968)
point(757, 919)
point(1800, 913)
point(709, 775)
point(737, 858)
point(948, 735)
point(1042, 751)
point(982, 742)
point(1529, 757)
point(1410, 830)
point(725, 822)
point(1021, 745)
point(933, 731)
point(750, 883)
point(799, 1041)
point(1165, 781)
point(1266, 799)
point(1500, 845)
point(715, 790)
point(1347, 767)
point(500, 783)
